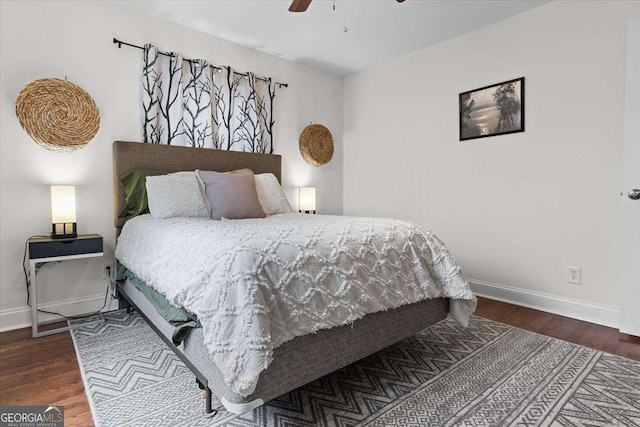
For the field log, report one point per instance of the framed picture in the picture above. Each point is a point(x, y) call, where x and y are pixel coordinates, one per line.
point(492, 110)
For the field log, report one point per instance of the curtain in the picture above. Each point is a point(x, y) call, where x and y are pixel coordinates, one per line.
point(190, 103)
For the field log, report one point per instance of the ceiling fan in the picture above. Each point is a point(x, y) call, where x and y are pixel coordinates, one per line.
point(302, 5)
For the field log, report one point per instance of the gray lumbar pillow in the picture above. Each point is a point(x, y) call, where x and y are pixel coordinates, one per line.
point(231, 195)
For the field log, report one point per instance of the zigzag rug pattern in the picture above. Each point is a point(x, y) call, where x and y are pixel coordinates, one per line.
point(488, 374)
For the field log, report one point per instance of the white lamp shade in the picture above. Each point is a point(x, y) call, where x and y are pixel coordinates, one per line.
point(307, 198)
point(63, 204)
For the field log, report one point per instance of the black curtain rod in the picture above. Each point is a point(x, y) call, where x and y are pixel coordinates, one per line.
point(120, 43)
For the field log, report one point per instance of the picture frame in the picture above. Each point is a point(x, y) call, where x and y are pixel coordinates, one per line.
point(493, 110)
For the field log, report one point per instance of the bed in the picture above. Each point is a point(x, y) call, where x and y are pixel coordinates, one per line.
point(297, 361)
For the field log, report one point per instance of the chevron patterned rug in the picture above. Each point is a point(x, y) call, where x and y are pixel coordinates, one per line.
point(488, 374)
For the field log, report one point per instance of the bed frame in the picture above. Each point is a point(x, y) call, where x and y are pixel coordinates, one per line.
point(296, 362)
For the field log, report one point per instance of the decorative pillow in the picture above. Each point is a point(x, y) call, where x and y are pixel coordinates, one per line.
point(194, 174)
point(135, 192)
point(175, 196)
point(232, 195)
point(271, 195)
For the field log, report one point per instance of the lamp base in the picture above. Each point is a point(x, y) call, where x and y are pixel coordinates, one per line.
point(64, 230)
point(308, 212)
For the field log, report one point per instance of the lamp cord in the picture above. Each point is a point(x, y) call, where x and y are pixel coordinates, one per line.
point(28, 285)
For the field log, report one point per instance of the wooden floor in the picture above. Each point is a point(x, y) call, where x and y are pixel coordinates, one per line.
point(587, 334)
point(45, 371)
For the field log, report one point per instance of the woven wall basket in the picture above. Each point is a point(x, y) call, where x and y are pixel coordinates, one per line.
point(316, 145)
point(57, 114)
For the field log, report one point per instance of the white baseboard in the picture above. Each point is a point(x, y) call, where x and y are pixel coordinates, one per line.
point(16, 318)
point(600, 314)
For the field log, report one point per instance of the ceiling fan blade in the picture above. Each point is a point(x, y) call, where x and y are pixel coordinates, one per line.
point(299, 5)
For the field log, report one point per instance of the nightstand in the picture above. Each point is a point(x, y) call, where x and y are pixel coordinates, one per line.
point(46, 249)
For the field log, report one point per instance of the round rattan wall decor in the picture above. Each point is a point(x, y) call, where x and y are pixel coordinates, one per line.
point(316, 145)
point(57, 114)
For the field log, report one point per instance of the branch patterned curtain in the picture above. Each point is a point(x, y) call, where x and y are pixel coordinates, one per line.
point(190, 103)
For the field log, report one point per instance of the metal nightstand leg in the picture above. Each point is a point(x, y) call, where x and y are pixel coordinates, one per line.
point(34, 299)
point(34, 307)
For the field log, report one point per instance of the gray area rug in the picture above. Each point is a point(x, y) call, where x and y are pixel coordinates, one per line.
point(488, 374)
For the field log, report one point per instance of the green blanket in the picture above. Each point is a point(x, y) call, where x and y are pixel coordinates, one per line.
point(182, 320)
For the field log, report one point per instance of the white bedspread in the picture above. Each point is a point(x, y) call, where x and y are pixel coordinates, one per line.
point(257, 283)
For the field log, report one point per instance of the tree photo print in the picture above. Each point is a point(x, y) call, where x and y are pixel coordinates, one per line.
point(492, 110)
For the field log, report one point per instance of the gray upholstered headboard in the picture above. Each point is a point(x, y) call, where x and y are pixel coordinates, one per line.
point(168, 158)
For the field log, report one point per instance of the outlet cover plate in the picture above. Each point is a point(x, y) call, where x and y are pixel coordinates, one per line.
point(574, 275)
point(103, 272)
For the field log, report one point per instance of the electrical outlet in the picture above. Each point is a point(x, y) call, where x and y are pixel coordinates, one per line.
point(574, 275)
point(108, 271)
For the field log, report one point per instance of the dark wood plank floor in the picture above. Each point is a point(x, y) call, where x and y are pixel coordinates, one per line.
point(45, 371)
point(601, 338)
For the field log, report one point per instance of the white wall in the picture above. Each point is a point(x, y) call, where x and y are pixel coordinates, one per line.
point(515, 210)
point(73, 39)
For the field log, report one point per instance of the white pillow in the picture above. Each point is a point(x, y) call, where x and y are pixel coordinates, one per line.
point(192, 173)
point(175, 196)
point(271, 195)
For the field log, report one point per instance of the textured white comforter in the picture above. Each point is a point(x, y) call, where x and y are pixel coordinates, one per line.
point(257, 283)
